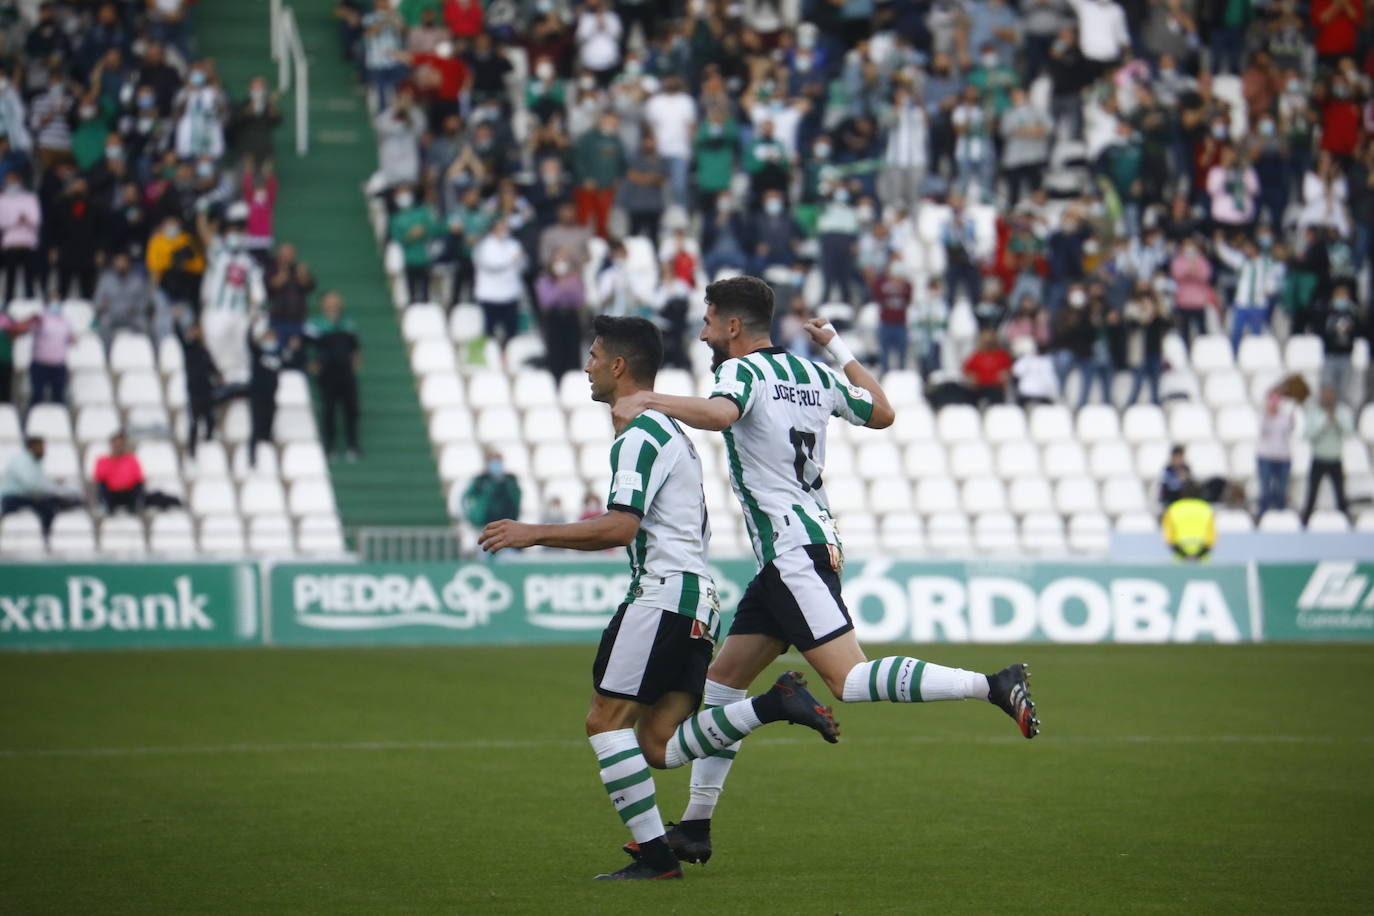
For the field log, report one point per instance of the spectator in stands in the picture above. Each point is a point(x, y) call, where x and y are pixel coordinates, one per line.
point(837, 228)
point(25, 486)
point(1234, 189)
point(20, 221)
point(50, 118)
point(201, 110)
point(1274, 453)
point(499, 260)
point(1193, 292)
point(382, 30)
point(561, 302)
point(254, 120)
point(553, 513)
point(414, 226)
point(1034, 373)
point(929, 317)
point(232, 294)
point(167, 22)
point(493, 494)
point(1341, 325)
point(203, 380)
point(123, 299)
point(118, 478)
point(1176, 475)
point(893, 294)
point(399, 128)
point(598, 166)
point(1145, 326)
point(1258, 280)
point(568, 236)
point(289, 285)
point(269, 355)
point(591, 506)
point(671, 116)
point(1190, 525)
point(1025, 130)
point(10, 330)
point(259, 189)
point(642, 192)
point(599, 33)
point(337, 356)
point(987, 371)
point(52, 336)
point(175, 265)
point(75, 221)
point(1329, 422)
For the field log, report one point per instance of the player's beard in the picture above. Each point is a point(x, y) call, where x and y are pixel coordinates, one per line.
point(719, 354)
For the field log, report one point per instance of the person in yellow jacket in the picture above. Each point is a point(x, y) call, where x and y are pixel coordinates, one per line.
point(169, 238)
point(1190, 527)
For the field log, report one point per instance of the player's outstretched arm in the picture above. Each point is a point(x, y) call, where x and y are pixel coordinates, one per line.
point(614, 529)
point(700, 413)
point(823, 333)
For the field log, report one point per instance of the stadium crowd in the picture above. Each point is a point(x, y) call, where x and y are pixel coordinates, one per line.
point(1027, 191)
point(136, 183)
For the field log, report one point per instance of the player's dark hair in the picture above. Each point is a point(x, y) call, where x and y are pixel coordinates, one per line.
point(747, 298)
point(635, 340)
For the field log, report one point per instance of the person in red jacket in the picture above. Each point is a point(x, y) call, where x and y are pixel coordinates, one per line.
point(119, 478)
point(1336, 24)
point(464, 17)
point(1340, 118)
point(988, 369)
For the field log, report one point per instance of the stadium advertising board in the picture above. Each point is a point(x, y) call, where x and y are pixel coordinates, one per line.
point(122, 605)
point(1328, 601)
point(528, 602)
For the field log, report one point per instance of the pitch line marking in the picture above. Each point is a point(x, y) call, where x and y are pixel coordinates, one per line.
point(533, 744)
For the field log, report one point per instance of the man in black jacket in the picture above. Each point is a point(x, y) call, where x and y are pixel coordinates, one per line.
point(202, 383)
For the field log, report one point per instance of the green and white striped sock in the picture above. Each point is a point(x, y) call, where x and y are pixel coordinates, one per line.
point(711, 731)
point(910, 680)
point(708, 773)
point(625, 774)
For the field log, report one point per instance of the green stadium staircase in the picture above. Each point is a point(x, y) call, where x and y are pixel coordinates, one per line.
point(321, 208)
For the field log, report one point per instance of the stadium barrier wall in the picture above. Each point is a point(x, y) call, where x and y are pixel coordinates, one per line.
point(139, 605)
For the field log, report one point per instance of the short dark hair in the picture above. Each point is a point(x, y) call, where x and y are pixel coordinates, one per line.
point(747, 298)
point(635, 340)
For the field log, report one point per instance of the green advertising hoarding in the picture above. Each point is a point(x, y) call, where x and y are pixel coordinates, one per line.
point(128, 605)
point(1324, 602)
point(553, 602)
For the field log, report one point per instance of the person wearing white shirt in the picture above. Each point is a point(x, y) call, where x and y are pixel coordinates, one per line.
point(598, 40)
point(1259, 277)
point(1274, 452)
point(1037, 382)
point(499, 260)
point(24, 485)
point(1102, 33)
point(672, 115)
point(908, 138)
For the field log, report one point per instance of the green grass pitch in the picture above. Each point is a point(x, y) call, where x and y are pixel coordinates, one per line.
point(1168, 779)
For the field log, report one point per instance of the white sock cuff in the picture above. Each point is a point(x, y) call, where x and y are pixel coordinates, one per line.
point(717, 694)
point(742, 715)
point(607, 743)
point(856, 684)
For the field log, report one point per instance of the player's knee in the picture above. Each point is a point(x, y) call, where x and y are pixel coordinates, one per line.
point(598, 721)
point(653, 753)
point(836, 683)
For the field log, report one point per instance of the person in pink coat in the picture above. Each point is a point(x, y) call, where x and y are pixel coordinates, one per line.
point(1193, 292)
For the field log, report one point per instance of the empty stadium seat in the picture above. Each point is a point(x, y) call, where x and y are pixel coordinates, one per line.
point(1328, 522)
point(1004, 423)
point(1236, 423)
point(131, 352)
point(995, 533)
point(10, 430)
point(1122, 495)
point(122, 535)
point(61, 462)
point(1089, 532)
point(1304, 353)
point(303, 459)
point(89, 387)
point(936, 494)
point(858, 533)
point(1097, 423)
point(423, 321)
point(983, 494)
point(295, 424)
point(48, 421)
point(271, 535)
point(1355, 457)
point(971, 459)
point(489, 388)
point(1233, 521)
point(1280, 521)
point(1111, 459)
point(214, 496)
point(138, 387)
point(1189, 423)
point(913, 424)
point(959, 423)
point(1211, 353)
point(465, 324)
point(534, 388)
point(172, 533)
point(441, 389)
point(947, 533)
point(1065, 460)
point(171, 359)
point(903, 388)
point(236, 423)
point(921, 459)
point(1076, 495)
point(1365, 428)
point(1224, 389)
point(1042, 533)
point(1206, 459)
point(1364, 523)
point(222, 535)
point(320, 535)
point(1018, 459)
point(552, 459)
point(1150, 458)
point(311, 496)
point(876, 458)
point(846, 494)
point(454, 424)
point(1259, 353)
point(545, 424)
point(293, 389)
point(87, 353)
point(902, 532)
point(210, 461)
point(21, 534)
point(73, 534)
point(97, 423)
point(264, 464)
point(591, 424)
point(1050, 423)
point(432, 356)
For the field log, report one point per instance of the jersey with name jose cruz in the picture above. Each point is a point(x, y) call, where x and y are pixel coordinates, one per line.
point(656, 474)
point(776, 448)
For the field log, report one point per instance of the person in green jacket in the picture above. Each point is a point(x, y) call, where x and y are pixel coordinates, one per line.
point(767, 164)
point(413, 226)
point(598, 166)
point(716, 147)
point(492, 495)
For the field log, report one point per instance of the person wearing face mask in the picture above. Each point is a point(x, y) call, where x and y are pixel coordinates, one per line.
point(1234, 189)
point(499, 261)
point(13, 122)
point(426, 34)
point(716, 148)
point(545, 95)
point(490, 496)
point(123, 299)
point(642, 193)
point(398, 130)
point(201, 111)
point(382, 30)
point(598, 36)
point(269, 355)
point(232, 294)
point(75, 221)
point(767, 164)
point(1340, 118)
point(838, 230)
point(1341, 324)
point(561, 297)
point(413, 226)
point(336, 356)
point(20, 221)
point(254, 120)
point(1259, 277)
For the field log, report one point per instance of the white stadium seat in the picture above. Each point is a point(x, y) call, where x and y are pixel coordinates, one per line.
point(465, 323)
point(97, 423)
point(441, 389)
point(131, 352)
point(423, 321)
point(311, 496)
point(1089, 533)
point(21, 534)
point(489, 388)
point(264, 464)
point(1042, 533)
point(1018, 459)
point(222, 535)
point(922, 459)
point(995, 533)
point(552, 459)
point(433, 356)
point(876, 459)
point(983, 494)
point(1211, 353)
point(914, 424)
point(1280, 521)
point(90, 386)
point(534, 388)
point(1097, 423)
point(123, 535)
point(971, 459)
point(138, 387)
point(1065, 460)
point(10, 430)
point(172, 533)
point(1233, 521)
point(320, 535)
point(87, 353)
point(846, 494)
point(545, 424)
point(1329, 522)
point(1076, 495)
point(158, 457)
point(1259, 353)
point(1051, 423)
point(210, 461)
point(591, 424)
point(214, 496)
point(60, 462)
point(1225, 389)
point(1004, 423)
point(73, 534)
point(294, 424)
point(1122, 495)
point(1111, 459)
point(937, 494)
point(1189, 423)
point(303, 459)
point(1304, 353)
point(271, 535)
point(236, 423)
point(170, 357)
point(48, 421)
point(948, 534)
point(1028, 495)
point(1237, 423)
point(293, 389)
point(959, 423)
point(453, 424)
point(1137, 522)
point(891, 495)
point(902, 533)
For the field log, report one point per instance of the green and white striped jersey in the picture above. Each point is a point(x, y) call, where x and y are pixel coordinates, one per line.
point(656, 474)
point(777, 446)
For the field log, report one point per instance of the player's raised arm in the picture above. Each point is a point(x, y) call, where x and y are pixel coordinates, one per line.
point(824, 334)
point(614, 529)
